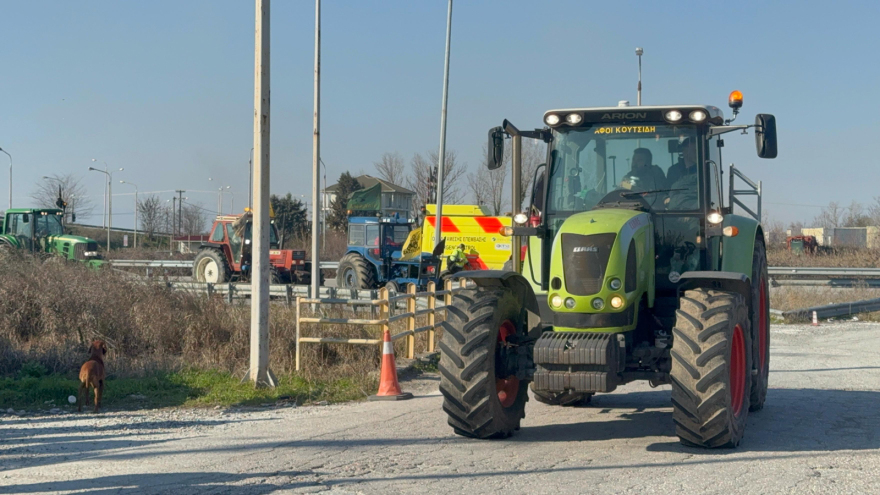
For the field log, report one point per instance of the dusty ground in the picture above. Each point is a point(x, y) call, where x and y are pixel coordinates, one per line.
point(819, 433)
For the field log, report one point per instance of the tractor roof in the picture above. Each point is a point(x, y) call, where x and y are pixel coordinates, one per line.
point(34, 210)
point(386, 220)
point(636, 114)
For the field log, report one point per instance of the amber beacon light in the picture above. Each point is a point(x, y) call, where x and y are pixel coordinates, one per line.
point(735, 100)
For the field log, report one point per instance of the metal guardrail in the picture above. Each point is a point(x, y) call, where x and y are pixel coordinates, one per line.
point(834, 310)
point(823, 271)
point(325, 265)
point(387, 302)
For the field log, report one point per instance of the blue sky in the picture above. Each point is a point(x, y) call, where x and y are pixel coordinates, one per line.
point(165, 88)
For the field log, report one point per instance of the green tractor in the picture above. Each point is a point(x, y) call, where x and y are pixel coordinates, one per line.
point(634, 267)
point(41, 231)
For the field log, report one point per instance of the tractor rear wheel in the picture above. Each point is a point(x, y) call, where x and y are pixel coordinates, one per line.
point(760, 316)
point(478, 357)
point(711, 368)
point(563, 399)
point(210, 266)
point(355, 272)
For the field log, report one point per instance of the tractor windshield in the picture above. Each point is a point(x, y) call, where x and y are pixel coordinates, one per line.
point(589, 162)
point(48, 225)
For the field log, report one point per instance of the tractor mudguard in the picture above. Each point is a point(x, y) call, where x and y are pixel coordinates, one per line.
point(737, 251)
point(516, 283)
point(727, 281)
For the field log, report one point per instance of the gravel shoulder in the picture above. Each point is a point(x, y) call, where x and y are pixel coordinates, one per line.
point(817, 434)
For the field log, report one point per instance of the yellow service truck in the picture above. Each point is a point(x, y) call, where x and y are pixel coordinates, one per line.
point(473, 226)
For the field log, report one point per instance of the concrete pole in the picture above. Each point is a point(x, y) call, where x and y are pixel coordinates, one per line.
point(10, 176)
point(442, 159)
point(259, 362)
point(109, 208)
point(135, 217)
point(316, 157)
point(516, 197)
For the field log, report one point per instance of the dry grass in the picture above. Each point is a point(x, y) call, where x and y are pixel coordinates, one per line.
point(838, 258)
point(52, 309)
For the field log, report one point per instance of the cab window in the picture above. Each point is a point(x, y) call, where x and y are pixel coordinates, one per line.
point(217, 235)
point(356, 235)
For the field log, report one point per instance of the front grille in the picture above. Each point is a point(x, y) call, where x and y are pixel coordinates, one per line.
point(80, 249)
point(584, 260)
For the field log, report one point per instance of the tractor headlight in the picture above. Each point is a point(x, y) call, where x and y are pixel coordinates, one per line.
point(574, 118)
point(520, 218)
point(616, 302)
point(715, 218)
point(551, 119)
point(90, 253)
point(673, 115)
point(597, 303)
point(569, 302)
point(614, 284)
point(698, 116)
point(556, 301)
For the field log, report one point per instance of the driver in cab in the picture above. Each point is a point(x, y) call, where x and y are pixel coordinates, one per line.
point(644, 176)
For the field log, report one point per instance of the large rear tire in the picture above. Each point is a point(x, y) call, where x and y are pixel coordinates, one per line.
point(355, 272)
point(210, 266)
point(759, 314)
point(482, 396)
point(711, 368)
point(563, 399)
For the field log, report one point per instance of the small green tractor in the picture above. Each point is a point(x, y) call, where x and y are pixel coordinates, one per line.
point(41, 231)
point(634, 267)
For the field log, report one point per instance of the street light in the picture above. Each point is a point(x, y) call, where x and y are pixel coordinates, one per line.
point(639, 52)
point(109, 175)
point(220, 191)
point(10, 175)
point(135, 210)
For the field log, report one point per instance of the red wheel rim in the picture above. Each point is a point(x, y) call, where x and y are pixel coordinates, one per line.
point(762, 327)
point(506, 388)
point(737, 370)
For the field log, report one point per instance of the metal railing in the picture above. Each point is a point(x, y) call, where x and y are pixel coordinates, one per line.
point(325, 265)
point(386, 303)
point(753, 190)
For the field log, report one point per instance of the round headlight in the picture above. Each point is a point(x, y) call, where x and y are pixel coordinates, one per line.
point(673, 115)
point(614, 284)
point(556, 301)
point(616, 302)
point(698, 116)
point(521, 218)
point(574, 118)
point(597, 303)
point(569, 303)
point(715, 217)
point(551, 119)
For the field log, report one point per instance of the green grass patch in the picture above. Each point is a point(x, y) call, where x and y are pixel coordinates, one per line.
point(194, 388)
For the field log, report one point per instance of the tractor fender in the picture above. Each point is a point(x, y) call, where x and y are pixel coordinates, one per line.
point(9, 241)
point(737, 251)
point(726, 281)
point(516, 283)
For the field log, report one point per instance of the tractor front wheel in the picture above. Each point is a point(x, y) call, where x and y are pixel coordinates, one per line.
point(210, 266)
point(711, 368)
point(355, 272)
point(484, 336)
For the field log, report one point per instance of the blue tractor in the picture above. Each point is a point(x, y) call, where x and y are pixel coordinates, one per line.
point(373, 256)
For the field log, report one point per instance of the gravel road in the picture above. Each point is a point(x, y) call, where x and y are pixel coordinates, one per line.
point(819, 433)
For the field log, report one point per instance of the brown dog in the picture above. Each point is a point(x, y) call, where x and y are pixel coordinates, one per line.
point(92, 374)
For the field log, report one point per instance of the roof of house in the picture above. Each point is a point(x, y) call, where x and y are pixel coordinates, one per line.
point(367, 181)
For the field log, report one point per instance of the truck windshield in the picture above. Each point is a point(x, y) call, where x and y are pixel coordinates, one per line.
point(48, 225)
point(589, 162)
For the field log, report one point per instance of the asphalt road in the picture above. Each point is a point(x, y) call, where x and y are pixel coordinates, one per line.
point(819, 433)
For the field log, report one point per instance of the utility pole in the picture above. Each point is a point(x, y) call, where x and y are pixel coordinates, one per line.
point(10, 175)
point(442, 159)
point(316, 157)
point(639, 52)
point(179, 210)
point(260, 374)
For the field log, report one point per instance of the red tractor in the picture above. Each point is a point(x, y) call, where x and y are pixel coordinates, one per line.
point(227, 254)
point(802, 244)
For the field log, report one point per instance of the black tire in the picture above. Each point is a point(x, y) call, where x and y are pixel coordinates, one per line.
point(208, 262)
point(563, 399)
point(392, 287)
point(711, 368)
point(759, 314)
point(476, 323)
point(508, 266)
point(355, 273)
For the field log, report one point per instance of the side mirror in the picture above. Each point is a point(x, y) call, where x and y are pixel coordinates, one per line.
point(496, 148)
point(439, 248)
point(672, 146)
point(73, 218)
point(765, 135)
point(26, 218)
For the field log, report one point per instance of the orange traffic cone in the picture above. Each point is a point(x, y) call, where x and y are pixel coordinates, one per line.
point(389, 388)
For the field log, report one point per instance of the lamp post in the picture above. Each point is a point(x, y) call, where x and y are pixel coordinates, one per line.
point(324, 209)
point(135, 210)
point(109, 174)
point(220, 191)
point(639, 52)
point(10, 175)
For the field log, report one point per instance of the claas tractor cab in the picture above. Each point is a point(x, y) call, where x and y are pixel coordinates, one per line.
point(374, 256)
point(226, 257)
point(41, 230)
point(635, 268)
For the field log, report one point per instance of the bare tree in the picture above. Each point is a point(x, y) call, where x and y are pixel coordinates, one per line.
point(150, 213)
point(774, 229)
point(421, 181)
point(830, 217)
point(72, 191)
point(533, 155)
point(391, 168)
point(488, 186)
point(193, 219)
point(856, 216)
